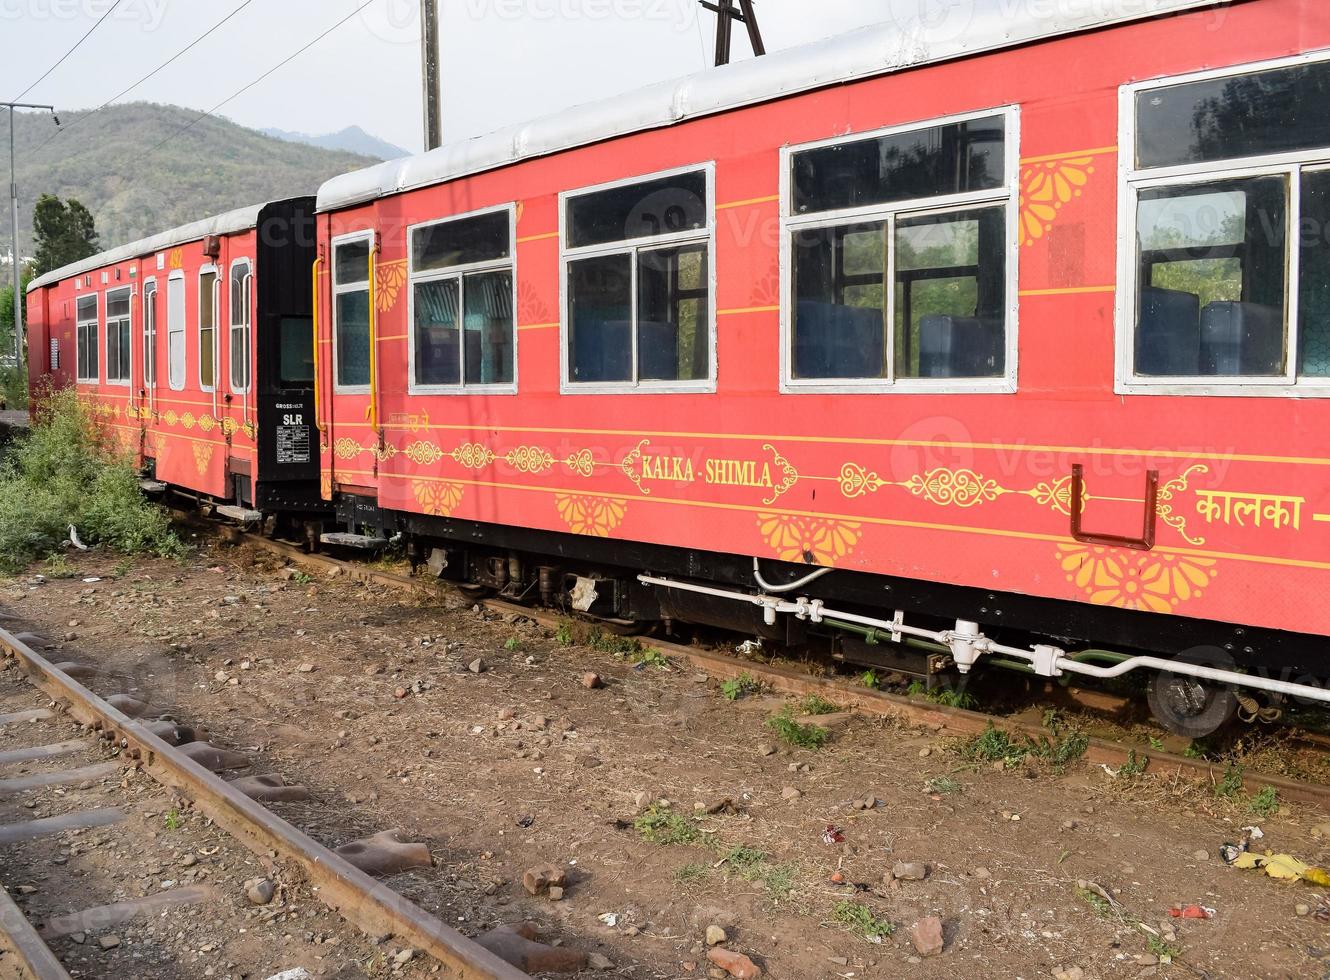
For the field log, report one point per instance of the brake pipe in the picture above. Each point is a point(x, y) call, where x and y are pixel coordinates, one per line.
point(799, 584)
point(967, 643)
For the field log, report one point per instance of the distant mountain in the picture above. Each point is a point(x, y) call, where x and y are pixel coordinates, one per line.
point(142, 168)
point(353, 139)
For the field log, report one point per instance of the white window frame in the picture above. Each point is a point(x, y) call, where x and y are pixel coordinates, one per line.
point(171, 382)
point(633, 247)
point(246, 325)
point(81, 338)
point(1008, 195)
point(460, 272)
point(149, 337)
point(106, 341)
point(216, 327)
point(1132, 179)
point(367, 235)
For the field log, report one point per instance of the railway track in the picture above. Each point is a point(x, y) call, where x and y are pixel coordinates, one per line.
point(955, 721)
point(114, 776)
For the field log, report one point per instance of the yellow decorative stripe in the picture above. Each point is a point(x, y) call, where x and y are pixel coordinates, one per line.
point(538, 326)
point(1097, 151)
point(400, 336)
point(1068, 290)
point(751, 200)
point(1321, 518)
point(749, 309)
point(861, 519)
point(537, 238)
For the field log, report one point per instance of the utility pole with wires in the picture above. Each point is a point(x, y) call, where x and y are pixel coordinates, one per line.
point(429, 55)
point(13, 201)
point(726, 15)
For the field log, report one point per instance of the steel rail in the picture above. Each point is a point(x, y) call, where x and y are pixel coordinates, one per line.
point(957, 721)
point(366, 903)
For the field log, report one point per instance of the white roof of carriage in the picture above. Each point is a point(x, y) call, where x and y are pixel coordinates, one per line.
point(241, 219)
point(968, 27)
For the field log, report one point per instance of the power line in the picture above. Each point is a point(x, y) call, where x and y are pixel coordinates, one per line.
point(120, 95)
point(281, 64)
point(65, 56)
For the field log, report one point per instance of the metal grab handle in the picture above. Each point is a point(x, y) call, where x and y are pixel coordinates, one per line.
point(1145, 542)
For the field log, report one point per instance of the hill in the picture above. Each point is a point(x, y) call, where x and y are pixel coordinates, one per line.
point(353, 139)
point(108, 162)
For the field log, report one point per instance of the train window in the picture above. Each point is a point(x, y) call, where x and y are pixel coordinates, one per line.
point(351, 312)
point(932, 161)
point(87, 339)
point(901, 259)
point(117, 337)
point(296, 365)
point(463, 333)
point(150, 333)
point(208, 330)
point(242, 282)
point(175, 331)
point(1225, 256)
point(638, 272)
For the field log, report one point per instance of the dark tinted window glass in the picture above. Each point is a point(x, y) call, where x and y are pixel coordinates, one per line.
point(436, 333)
point(296, 364)
point(87, 308)
point(648, 209)
point(352, 261)
point(1314, 305)
point(673, 309)
point(1212, 266)
point(488, 328)
point(1265, 112)
point(950, 159)
point(840, 325)
point(117, 303)
point(353, 338)
point(601, 318)
point(951, 290)
point(480, 239)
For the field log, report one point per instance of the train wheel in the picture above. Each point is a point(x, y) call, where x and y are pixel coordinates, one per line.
point(1192, 707)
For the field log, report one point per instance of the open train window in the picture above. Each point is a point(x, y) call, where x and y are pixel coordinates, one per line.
point(462, 302)
point(117, 336)
point(87, 330)
point(901, 258)
point(241, 294)
point(637, 272)
point(351, 311)
point(1225, 265)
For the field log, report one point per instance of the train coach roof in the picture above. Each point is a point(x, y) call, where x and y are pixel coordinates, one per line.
point(241, 219)
point(969, 27)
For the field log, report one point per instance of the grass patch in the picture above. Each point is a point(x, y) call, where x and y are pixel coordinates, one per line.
point(174, 821)
point(692, 874)
point(1099, 905)
point(1230, 787)
point(793, 733)
point(651, 658)
point(942, 785)
point(1134, 766)
point(1265, 803)
point(993, 745)
point(944, 696)
point(564, 635)
point(861, 919)
point(66, 472)
point(512, 644)
point(1062, 750)
point(870, 680)
point(815, 704)
point(661, 825)
point(740, 687)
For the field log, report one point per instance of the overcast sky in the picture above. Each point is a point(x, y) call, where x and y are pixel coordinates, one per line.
point(504, 61)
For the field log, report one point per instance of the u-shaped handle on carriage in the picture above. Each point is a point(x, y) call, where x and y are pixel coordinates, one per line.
point(1145, 542)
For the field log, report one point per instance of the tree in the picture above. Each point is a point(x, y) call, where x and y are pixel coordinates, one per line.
point(65, 233)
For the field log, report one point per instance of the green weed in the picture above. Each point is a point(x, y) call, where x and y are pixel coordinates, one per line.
point(870, 680)
point(753, 865)
point(661, 825)
point(1162, 948)
point(1265, 803)
point(793, 733)
point(512, 644)
point(692, 874)
point(58, 566)
point(944, 696)
point(1230, 786)
point(815, 704)
point(1063, 750)
point(993, 745)
point(942, 785)
point(740, 687)
point(1098, 904)
point(564, 635)
point(861, 919)
point(65, 472)
point(1134, 766)
point(651, 658)
point(173, 820)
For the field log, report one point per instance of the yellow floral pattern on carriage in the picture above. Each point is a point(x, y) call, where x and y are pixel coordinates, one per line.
point(423, 453)
point(203, 456)
point(954, 488)
point(438, 499)
point(389, 278)
point(1153, 581)
point(1046, 187)
point(809, 540)
point(593, 516)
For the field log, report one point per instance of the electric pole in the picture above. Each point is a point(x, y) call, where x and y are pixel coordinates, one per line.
point(429, 57)
point(13, 202)
point(726, 15)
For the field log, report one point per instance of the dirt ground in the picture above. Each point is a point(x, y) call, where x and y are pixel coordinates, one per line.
point(369, 697)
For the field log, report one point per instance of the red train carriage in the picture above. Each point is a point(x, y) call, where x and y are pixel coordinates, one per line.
point(194, 348)
point(1004, 319)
